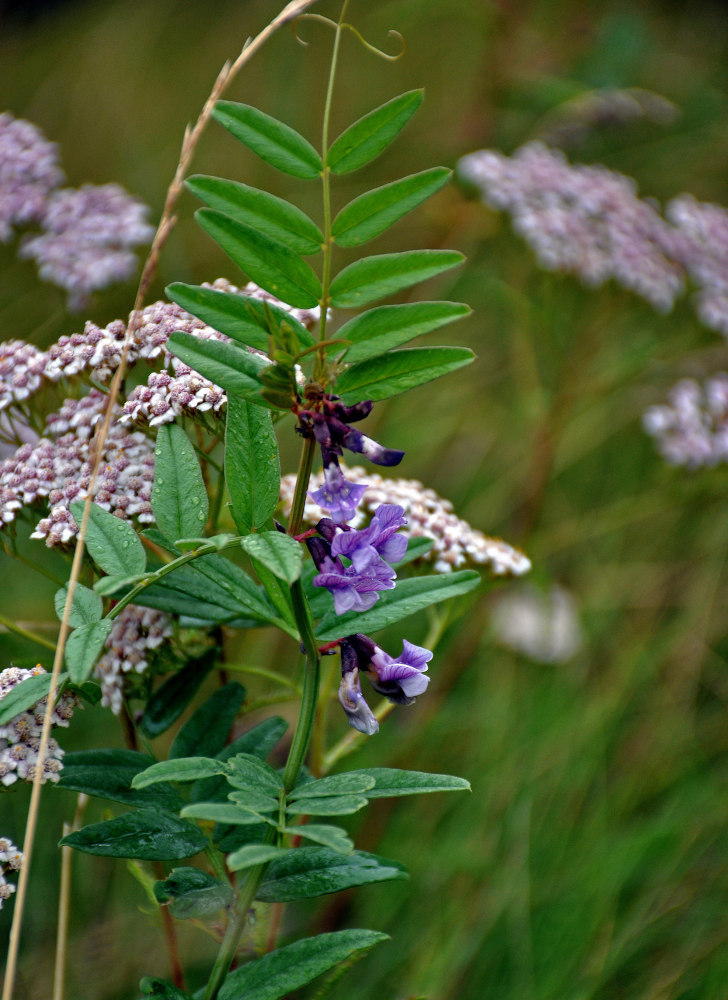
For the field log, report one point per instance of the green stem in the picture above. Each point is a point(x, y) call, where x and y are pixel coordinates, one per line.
point(305, 465)
point(26, 633)
point(309, 698)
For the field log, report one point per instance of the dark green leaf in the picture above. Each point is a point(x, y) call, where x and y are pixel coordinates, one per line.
point(268, 263)
point(84, 647)
point(380, 329)
point(169, 701)
point(231, 580)
point(374, 277)
point(231, 367)
point(273, 216)
point(86, 609)
point(111, 542)
point(278, 973)
point(329, 805)
point(206, 732)
point(188, 592)
point(372, 213)
point(370, 135)
point(109, 774)
point(390, 781)
point(318, 871)
point(179, 497)
point(334, 784)
point(398, 371)
point(321, 833)
point(393, 605)
point(179, 769)
point(160, 989)
point(192, 893)
point(273, 141)
point(279, 594)
point(225, 812)
point(258, 741)
point(148, 834)
point(252, 466)
point(238, 316)
point(23, 695)
point(280, 553)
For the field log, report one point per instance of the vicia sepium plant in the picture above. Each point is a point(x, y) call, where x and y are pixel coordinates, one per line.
point(262, 833)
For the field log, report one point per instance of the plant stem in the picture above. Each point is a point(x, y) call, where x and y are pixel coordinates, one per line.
point(309, 698)
point(64, 900)
point(12, 626)
point(305, 465)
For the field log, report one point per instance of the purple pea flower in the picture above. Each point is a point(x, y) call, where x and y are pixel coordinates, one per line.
point(400, 679)
point(352, 590)
point(339, 496)
point(351, 698)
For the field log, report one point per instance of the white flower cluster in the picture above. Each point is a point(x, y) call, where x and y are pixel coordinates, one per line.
point(545, 627)
point(703, 250)
point(456, 543)
point(692, 427)
point(135, 632)
point(11, 860)
point(29, 171)
point(20, 738)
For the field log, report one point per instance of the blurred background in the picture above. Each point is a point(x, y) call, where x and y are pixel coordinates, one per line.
point(589, 862)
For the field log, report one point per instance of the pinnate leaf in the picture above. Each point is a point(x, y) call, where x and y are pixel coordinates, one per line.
point(109, 775)
point(231, 367)
point(374, 277)
point(350, 783)
point(280, 553)
point(206, 731)
point(399, 371)
point(111, 542)
point(307, 872)
point(273, 141)
point(179, 497)
point(192, 893)
point(252, 466)
point(182, 769)
point(380, 329)
point(321, 833)
point(148, 834)
point(86, 608)
point(371, 134)
point(84, 648)
point(391, 781)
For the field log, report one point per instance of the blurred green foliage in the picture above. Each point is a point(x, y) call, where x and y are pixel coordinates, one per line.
point(589, 861)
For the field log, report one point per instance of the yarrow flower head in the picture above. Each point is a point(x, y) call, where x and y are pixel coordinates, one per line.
point(691, 429)
point(11, 861)
point(29, 171)
point(20, 738)
point(134, 636)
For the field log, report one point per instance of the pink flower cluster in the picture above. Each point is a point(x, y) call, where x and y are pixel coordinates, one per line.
point(134, 634)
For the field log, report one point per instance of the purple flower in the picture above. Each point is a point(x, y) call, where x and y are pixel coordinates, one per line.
point(351, 698)
point(353, 590)
point(337, 495)
point(401, 679)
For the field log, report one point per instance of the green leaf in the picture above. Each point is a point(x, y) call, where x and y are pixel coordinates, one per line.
point(192, 893)
point(307, 872)
point(268, 263)
point(111, 542)
point(247, 771)
point(252, 466)
point(109, 775)
point(250, 855)
point(276, 143)
point(258, 741)
point(86, 609)
point(239, 316)
point(233, 586)
point(398, 371)
point(84, 647)
point(179, 769)
point(225, 812)
point(231, 367)
point(321, 833)
point(23, 695)
point(276, 974)
point(350, 783)
point(251, 798)
point(279, 595)
point(393, 605)
point(169, 701)
point(280, 553)
point(108, 585)
point(148, 834)
point(188, 592)
point(179, 497)
point(374, 277)
point(391, 781)
point(273, 216)
point(329, 805)
point(160, 989)
point(206, 732)
point(380, 329)
point(375, 211)
point(370, 135)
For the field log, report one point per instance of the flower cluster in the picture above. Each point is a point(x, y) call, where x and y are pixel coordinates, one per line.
point(87, 234)
point(703, 250)
point(543, 626)
point(20, 738)
point(136, 632)
point(587, 220)
point(455, 542)
point(11, 860)
point(692, 427)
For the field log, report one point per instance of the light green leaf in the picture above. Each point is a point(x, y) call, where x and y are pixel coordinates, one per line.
point(399, 371)
point(393, 605)
point(273, 141)
point(375, 211)
point(280, 553)
point(370, 135)
point(268, 263)
point(350, 783)
point(389, 781)
point(329, 836)
point(23, 695)
point(112, 543)
point(251, 798)
point(250, 855)
point(84, 647)
point(231, 367)
point(108, 585)
point(307, 872)
point(328, 805)
point(87, 606)
point(380, 329)
point(273, 216)
point(149, 834)
point(225, 812)
point(239, 316)
point(179, 497)
point(374, 277)
point(182, 769)
point(278, 973)
point(252, 466)
point(246, 771)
